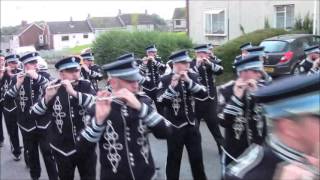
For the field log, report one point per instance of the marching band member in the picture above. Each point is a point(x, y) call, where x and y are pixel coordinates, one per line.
point(238, 114)
point(151, 68)
point(120, 122)
point(177, 91)
point(9, 107)
point(206, 108)
point(312, 53)
point(89, 70)
point(244, 53)
point(2, 70)
point(292, 108)
point(212, 56)
point(65, 101)
point(25, 90)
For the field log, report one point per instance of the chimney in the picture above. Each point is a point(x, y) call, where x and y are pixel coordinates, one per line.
point(145, 11)
point(24, 23)
point(119, 12)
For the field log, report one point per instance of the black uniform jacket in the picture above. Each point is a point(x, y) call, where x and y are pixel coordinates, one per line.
point(67, 115)
point(123, 139)
point(180, 100)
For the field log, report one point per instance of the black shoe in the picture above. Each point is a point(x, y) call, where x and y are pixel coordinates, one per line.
point(17, 157)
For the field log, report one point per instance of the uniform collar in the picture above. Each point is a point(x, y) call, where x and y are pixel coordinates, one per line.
point(284, 152)
point(290, 155)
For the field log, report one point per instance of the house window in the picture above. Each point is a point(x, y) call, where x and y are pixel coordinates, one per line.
point(41, 40)
point(178, 22)
point(85, 36)
point(64, 38)
point(285, 16)
point(215, 22)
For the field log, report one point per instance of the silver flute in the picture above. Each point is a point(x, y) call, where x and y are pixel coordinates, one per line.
point(59, 84)
point(105, 98)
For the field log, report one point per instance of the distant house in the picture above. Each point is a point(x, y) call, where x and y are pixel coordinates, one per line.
point(5, 42)
point(103, 24)
point(27, 35)
point(169, 24)
point(219, 21)
point(179, 20)
point(68, 34)
point(129, 22)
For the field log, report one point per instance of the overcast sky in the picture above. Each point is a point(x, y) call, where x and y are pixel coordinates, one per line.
point(13, 12)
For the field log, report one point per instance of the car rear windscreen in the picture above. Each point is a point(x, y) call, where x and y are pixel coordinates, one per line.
point(274, 46)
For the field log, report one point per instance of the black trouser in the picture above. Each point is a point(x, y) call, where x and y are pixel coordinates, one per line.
point(207, 110)
point(86, 164)
point(1, 128)
point(191, 138)
point(32, 141)
point(13, 131)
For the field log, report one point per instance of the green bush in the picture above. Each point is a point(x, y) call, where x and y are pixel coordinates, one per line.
point(110, 45)
point(77, 49)
point(304, 25)
point(229, 50)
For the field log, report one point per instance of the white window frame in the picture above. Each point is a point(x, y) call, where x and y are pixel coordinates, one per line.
point(215, 11)
point(285, 6)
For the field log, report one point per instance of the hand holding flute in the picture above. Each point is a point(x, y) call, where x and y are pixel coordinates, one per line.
point(242, 85)
point(52, 89)
point(103, 106)
point(20, 79)
point(59, 84)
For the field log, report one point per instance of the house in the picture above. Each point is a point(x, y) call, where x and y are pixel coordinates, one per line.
point(169, 24)
point(27, 35)
point(5, 42)
point(179, 20)
point(129, 22)
point(68, 34)
point(103, 24)
point(220, 21)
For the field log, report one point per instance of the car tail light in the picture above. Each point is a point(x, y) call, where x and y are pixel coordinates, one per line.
point(286, 57)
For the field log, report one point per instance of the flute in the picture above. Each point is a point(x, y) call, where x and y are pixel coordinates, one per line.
point(105, 98)
point(59, 84)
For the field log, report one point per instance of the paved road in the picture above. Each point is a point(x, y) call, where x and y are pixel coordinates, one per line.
point(11, 170)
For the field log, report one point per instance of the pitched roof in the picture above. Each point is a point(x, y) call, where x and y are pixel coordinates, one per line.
point(16, 30)
point(179, 13)
point(68, 27)
point(136, 18)
point(104, 22)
